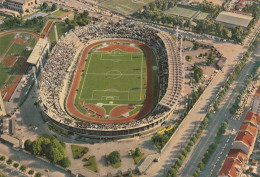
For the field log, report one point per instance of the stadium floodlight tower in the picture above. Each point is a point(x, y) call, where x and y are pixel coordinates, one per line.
point(2, 106)
point(177, 36)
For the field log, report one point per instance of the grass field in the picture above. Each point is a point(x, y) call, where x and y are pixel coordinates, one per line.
point(5, 41)
point(59, 13)
point(91, 164)
point(182, 11)
point(113, 79)
point(202, 16)
point(61, 30)
point(126, 6)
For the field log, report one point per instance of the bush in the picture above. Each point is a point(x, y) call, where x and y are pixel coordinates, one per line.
point(23, 168)
point(184, 152)
point(9, 161)
point(2, 158)
point(181, 157)
point(16, 165)
point(31, 172)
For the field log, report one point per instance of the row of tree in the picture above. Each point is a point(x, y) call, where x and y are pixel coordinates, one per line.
point(49, 147)
point(81, 19)
point(20, 22)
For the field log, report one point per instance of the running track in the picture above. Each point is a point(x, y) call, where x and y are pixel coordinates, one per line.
point(148, 104)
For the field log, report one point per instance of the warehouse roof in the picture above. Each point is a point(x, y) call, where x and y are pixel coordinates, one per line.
point(234, 18)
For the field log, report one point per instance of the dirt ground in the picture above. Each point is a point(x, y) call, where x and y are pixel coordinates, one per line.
point(208, 71)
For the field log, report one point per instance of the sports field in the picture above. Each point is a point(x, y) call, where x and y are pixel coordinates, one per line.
point(182, 11)
point(114, 81)
point(15, 48)
point(125, 6)
point(112, 78)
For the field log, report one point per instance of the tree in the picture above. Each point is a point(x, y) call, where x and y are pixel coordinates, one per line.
point(137, 152)
point(9, 161)
point(53, 7)
point(16, 165)
point(211, 59)
point(38, 174)
point(44, 5)
point(2, 158)
point(31, 172)
point(36, 148)
point(28, 145)
point(114, 157)
point(23, 168)
point(237, 7)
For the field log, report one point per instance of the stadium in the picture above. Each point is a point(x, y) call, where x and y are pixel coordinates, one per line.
point(111, 80)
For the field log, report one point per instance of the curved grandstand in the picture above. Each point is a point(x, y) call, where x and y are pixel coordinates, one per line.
point(62, 73)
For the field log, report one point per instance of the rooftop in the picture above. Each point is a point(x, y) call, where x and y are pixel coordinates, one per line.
point(234, 18)
point(36, 53)
point(230, 167)
point(250, 117)
point(237, 154)
point(246, 138)
point(248, 128)
point(19, 1)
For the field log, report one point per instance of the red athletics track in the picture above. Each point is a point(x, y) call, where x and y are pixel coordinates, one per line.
point(148, 104)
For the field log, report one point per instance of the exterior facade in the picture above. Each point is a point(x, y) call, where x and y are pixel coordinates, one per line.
point(22, 6)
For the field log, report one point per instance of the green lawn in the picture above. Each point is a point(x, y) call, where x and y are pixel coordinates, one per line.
point(4, 74)
point(121, 79)
point(78, 151)
point(91, 164)
point(116, 165)
point(59, 13)
point(5, 41)
point(16, 49)
point(202, 16)
point(126, 6)
point(182, 11)
point(61, 30)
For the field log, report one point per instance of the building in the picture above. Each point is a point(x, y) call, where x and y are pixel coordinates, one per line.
point(2, 107)
point(40, 54)
point(243, 3)
point(230, 168)
point(9, 13)
point(230, 19)
point(22, 6)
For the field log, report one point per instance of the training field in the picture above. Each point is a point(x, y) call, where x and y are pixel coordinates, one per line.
point(15, 48)
point(114, 82)
point(182, 11)
point(112, 78)
point(125, 6)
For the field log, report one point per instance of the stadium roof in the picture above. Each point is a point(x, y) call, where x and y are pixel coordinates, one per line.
point(234, 19)
point(37, 51)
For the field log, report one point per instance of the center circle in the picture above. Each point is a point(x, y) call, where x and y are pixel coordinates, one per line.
point(114, 74)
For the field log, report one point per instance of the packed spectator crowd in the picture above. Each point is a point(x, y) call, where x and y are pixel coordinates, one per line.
point(56, 68)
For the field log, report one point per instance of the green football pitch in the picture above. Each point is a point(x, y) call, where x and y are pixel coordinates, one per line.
point(113, 78)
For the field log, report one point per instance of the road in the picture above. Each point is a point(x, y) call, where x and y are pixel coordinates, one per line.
point(208, 136)
point(195, 116)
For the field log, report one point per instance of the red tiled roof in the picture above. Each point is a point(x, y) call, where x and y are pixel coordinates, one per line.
point(257, 116)
point(241, 3)
point(245, 137)
point(248, 128)
point(250, 118)
point(230, 167)
point(237, 154)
